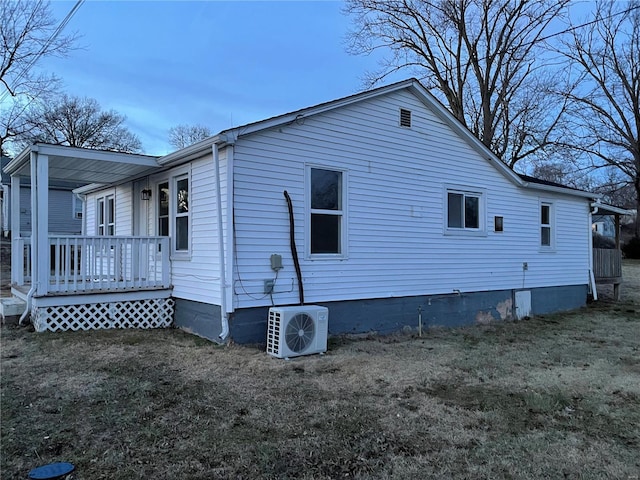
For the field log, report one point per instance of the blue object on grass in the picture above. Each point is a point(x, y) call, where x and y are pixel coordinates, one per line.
point(53, 470)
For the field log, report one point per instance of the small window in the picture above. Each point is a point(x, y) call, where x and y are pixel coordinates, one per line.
point(163, 209)
point(546, 226)
point(405, 118)
point(77, 207)
point(463, 210)
point(326, 221)
point(498, 224)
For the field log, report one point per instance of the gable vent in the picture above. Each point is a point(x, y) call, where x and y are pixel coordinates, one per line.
point(405, 117)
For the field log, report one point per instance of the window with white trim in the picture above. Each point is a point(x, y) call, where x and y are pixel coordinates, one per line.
point(464, 211)
point(173, 212)
point(326, 212)
point(163, 209)
point(77, 207)
point(106, 215)
point(181, 230)
point(546, 225)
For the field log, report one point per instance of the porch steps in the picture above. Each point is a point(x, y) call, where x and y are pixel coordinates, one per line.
point(11, 308)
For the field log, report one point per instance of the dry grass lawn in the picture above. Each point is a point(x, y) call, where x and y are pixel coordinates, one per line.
point(552, 397)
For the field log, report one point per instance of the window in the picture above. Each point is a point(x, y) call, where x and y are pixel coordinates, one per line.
point(77, 207)
point(173, 212)
point(106, 215)
point(326, 225)
point(163, 209)
point(182, 214)
point(464, 211)
point(498, 224)
point(546, 225)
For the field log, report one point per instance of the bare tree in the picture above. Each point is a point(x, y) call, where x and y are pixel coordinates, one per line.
point(481, 57)
point(605, 111)
point(182, 136)
point(28, 32)
point(79, 122)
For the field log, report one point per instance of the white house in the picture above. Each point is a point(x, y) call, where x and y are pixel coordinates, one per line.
point(398, 212)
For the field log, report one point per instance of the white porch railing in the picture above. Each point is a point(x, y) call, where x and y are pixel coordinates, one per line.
point(78, 264)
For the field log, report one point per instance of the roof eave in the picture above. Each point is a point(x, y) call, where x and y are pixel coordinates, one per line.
point(21, 159)
point(194, 151)
point(605, 209)
point(566, 191)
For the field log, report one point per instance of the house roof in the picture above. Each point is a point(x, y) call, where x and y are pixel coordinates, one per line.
point(102, 167)
point(83, 166)
point(229, 136)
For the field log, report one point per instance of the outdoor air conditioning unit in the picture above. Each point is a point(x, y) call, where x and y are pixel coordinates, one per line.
point(295, 331)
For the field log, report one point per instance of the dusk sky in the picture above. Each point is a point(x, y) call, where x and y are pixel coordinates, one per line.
point(220, 64)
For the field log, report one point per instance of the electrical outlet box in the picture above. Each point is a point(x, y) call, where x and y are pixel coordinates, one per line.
point(268, 286)
point(276, 262)
point(525, 266)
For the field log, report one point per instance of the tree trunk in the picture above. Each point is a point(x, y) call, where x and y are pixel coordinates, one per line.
point(636, 184)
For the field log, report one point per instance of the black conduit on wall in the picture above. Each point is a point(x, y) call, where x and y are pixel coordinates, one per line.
point(294, 250)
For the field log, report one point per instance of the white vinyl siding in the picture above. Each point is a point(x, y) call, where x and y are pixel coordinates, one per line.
point(122, 197)
point(195, 274)
point(396, 211)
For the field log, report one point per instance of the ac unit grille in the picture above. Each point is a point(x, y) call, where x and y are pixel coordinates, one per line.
point(273, 332)
point(294, 331)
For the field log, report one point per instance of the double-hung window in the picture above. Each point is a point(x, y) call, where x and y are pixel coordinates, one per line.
point(106, 215)
point(173, 213)
point(546, 226)
point(465, 211)
point(326, 212)
point(181, 230)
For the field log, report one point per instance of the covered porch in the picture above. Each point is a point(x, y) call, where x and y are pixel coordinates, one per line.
point(607, 262)
point(74, 282)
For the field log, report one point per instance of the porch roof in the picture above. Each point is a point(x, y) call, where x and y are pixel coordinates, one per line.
point(83, 165)
point(604, 209)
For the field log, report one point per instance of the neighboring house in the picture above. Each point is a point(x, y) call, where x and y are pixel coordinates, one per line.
point(398, 212)
point(604, 225)
point(65, 213)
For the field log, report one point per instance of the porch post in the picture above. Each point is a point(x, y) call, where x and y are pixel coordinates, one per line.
point(16, 256)
point(40, 221)
point(617, 227)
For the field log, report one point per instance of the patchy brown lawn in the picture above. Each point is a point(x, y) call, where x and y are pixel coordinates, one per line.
point(552, 397)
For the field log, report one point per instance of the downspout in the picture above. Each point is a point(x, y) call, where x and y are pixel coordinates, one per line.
point(592, 278)
point(34, 236)
point(221, 257)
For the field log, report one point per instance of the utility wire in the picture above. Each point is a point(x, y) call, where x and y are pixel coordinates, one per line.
point(51, 39)
point(576, 27)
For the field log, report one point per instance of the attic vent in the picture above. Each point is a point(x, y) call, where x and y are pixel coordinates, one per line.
point(405, 117)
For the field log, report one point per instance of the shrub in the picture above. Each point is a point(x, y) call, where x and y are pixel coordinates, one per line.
point(632, 248)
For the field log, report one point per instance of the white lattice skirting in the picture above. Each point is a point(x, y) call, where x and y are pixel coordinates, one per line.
point(151, 313)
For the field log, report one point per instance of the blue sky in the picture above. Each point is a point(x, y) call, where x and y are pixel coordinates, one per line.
point(220, 64)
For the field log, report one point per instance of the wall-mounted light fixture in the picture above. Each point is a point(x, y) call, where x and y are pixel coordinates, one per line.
point(146, 194)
